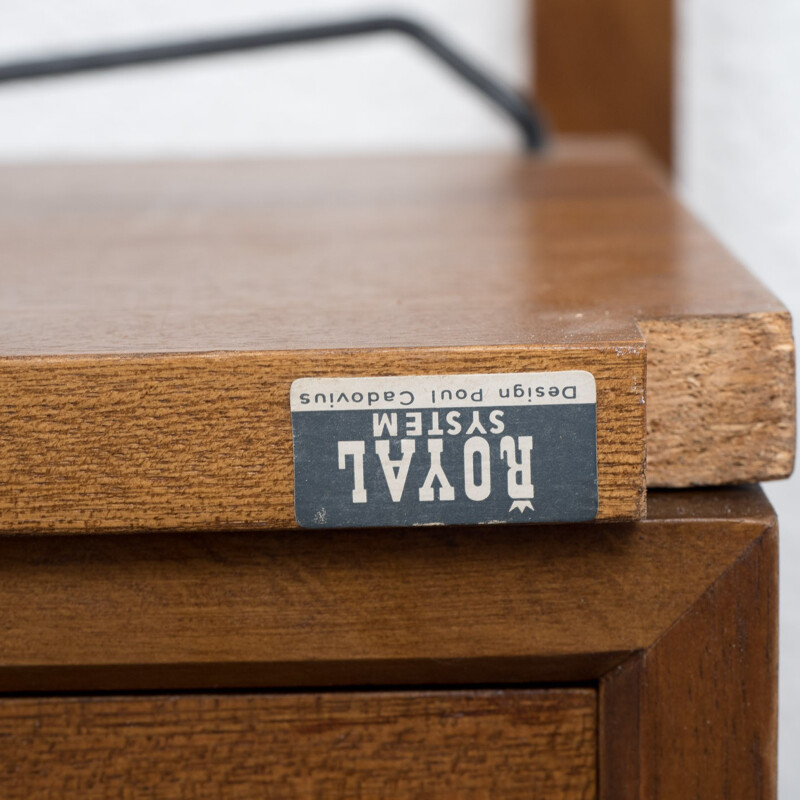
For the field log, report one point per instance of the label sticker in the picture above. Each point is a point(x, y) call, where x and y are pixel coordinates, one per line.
point(445, 449)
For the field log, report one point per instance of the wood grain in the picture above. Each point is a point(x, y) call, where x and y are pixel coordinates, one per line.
point(607, 66)
point(477, 744)
point(421, 606)
point(153, 316)
point(695, 714)
point(205, 441)
point(675, 615)
point(756, 406)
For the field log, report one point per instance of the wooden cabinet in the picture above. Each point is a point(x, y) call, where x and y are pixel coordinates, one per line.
point(166, 626)
point(638, 660)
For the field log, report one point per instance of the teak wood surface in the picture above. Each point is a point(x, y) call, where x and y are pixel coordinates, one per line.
point(153, 317)
point(464, 744)
point(673, 619)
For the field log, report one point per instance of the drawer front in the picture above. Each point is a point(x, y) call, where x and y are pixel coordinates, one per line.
point(465, 744)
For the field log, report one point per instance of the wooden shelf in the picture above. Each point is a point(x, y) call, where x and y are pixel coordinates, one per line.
point(153, 317)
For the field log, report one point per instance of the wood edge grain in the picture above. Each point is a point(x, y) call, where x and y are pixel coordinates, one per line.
point(721, 399)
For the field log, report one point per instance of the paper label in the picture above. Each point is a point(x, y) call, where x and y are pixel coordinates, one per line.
point(445, 449)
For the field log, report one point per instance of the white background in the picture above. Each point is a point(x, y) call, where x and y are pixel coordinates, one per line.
point(378, 93)
point(738, 132)
point(739, 169)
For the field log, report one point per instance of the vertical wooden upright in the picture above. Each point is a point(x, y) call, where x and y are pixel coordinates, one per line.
point(605, 66)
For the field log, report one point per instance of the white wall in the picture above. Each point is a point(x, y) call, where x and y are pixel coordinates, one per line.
point(381, 93)
point(738, 134)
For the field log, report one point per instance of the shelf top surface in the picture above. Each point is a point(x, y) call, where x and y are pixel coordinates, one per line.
point(425, 251)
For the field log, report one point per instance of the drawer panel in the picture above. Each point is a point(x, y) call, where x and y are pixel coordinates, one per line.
point(519, 743)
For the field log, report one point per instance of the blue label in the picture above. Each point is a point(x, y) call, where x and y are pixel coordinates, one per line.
point(447, 450)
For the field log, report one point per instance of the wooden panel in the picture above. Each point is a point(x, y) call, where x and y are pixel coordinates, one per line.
point(607, 66)
point(198, 441)
point(695, 714)
point(509, 744)
point(153, 316)
point(199, 610)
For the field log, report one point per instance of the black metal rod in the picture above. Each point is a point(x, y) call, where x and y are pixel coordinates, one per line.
point(504, 98)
